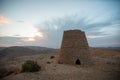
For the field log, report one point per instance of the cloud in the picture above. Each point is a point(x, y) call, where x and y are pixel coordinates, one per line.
point(19, 41)
point(49, 33)
point(78, 22)
point(7, 45)
point(114, 44)
point(4, 20)
point(10, 40)
point(91, 36)
point(21, 21)
point(21, 34)
point(95, 31)
point(63, 23)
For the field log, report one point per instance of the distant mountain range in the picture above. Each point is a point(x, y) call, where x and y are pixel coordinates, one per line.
point(1, 48)
point(113, 48)
point(17, 51)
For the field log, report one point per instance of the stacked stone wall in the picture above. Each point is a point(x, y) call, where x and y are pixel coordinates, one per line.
point(74, 46)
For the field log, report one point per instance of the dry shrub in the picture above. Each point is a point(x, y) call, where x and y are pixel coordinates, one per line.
point(52, 57)
point(30, 66)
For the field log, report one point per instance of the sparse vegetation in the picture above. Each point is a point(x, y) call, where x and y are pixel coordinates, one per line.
point(48, 62)
point(52, 57)
point(30, 66)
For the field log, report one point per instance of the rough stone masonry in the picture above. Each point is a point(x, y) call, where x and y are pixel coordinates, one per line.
point(74, 48)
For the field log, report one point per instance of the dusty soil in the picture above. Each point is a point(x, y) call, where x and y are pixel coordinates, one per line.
point(106, 66)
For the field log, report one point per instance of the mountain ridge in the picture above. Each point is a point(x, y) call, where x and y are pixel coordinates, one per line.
point(17, 51)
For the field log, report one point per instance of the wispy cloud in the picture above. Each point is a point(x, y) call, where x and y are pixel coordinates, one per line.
point(91, 36)
point(95, 31)
point(78, 22)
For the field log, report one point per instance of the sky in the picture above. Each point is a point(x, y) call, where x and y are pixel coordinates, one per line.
point(42, 22)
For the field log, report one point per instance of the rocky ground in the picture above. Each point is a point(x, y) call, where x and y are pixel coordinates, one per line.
point(106, 67)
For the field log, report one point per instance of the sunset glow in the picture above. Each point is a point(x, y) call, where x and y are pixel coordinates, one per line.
point(43, 22)
point(31, 39)
point(4, 20)
point(32, 33)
